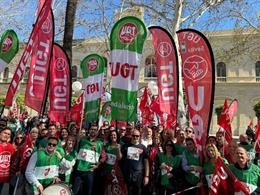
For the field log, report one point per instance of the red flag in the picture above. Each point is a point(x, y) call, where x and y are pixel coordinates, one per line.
point(60, 86)
point(76, 111)
point(36, 89)
point(224, 122)
point(27, 52)
point(199, 81)
point(257, 138)
point(167, 70)
point(250, 124)
point(224, 181)
point(155, 107)
point(171, 122)
point(232, 110)
point(144, 100)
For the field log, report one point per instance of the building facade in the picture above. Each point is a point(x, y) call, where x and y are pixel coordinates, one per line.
point(237, 70)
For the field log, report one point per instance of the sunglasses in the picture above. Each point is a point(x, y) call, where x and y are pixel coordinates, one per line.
point(19, 138)
point(135, 135)
point(189, 131)
point(52, 144)
point(169, 145)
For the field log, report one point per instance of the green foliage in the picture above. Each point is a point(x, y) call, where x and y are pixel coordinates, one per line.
point(218, 110)
point(257, 110)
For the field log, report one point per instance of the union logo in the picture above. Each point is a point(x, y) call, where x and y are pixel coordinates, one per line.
point(164, 49)
point(60, 64)
point(5, 158)
point(46, 26)
point(92, 64)
point(127, 33)
point(195, 67)
point(7, 44)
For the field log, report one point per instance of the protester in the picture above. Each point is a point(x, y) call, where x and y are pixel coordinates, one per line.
point(135, 165)
point(42, 169)
point(6, 152)
point(211, 140)
point(189, 132)
point(147, 137)
point(231, 150)
point(69, 160)
point(63, 136)
point(191, 165)
point(171, 175)
point(88, 160)
point(245, 171)
point(180, 144)
point(112, 171)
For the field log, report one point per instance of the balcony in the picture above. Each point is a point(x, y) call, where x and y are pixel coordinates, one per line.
point(221, 79)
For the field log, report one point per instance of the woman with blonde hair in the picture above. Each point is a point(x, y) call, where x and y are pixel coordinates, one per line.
point(211, 156)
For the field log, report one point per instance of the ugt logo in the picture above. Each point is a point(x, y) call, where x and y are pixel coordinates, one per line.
point(195, 67)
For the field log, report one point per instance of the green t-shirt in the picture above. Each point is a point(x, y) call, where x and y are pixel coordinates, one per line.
point(172, 163)
point(111, 158)
point(251, 176)
point(179, 148)
point(89, 153)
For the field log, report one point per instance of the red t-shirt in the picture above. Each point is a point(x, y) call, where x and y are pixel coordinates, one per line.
point(6, 151)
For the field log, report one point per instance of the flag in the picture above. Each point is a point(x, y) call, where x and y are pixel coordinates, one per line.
point(224, 181)
point(76, 111)
point(146, 113)
point(167, 71)
point(257, 138)
point(232, 110)
point(199, 81)
point(60, 86)
point(27, 52)
point(9, 46)
point(38, 80)
point(126, 42)
point(224, 122)
point(92, 68)
point(155, 107)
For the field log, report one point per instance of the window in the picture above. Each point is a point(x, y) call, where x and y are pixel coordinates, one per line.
point(6, 74)
point(150, 67)
point(221, 72)
point(74, 72)
point(257, 71)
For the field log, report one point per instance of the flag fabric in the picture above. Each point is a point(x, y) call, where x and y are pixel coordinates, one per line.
point(46, 9)
point(76, 111)
point(92, 68)
point(257, 138)
point(60, 86)
point(232, 110)
point(224, 122)
point(9, 46)
point(146, 113)
point(106, 111)
point(155, 107)
point(126, 44)
point(225, 182)
point(37, 85)
point(199, 81)
point(167, 71)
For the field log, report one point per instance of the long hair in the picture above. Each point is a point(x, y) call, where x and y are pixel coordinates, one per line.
point(217, 153)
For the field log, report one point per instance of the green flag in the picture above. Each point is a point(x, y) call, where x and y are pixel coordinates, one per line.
point(106, 111)
point(9, 45)
point(126, 42)
point(92, 68)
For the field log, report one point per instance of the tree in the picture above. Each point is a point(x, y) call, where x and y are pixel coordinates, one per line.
point(69, 26)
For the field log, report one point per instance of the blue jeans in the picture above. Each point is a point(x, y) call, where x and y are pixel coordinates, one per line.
point(87, 178)
point(1, 187)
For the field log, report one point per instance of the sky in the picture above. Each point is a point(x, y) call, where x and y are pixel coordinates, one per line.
point(21, 20)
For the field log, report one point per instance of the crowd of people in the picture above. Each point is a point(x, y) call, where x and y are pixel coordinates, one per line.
point(109, 160)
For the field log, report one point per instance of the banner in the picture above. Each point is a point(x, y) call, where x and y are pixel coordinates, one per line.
point(224, 181)
point(126, 44)
point(167, 70)
point(224, 122)
point(199, 81)
point(46, 9)
point(60, 86)
point(9, 46)
point(232, 110)
point(92, 68)
point(257, 138)
point(36, 89)
point(76, 111)
point(106, 111)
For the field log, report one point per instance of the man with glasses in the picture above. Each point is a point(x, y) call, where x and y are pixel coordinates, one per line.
point(126, 139)
point(88, 160)
point(42, 169)
point(189, 132)
point(135, 165)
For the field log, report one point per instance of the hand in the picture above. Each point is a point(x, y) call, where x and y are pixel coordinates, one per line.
point(146, 180)
point(40, 189)
point(58, 154)
point(56, 180)
point(94, 167)
point(169, 175)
